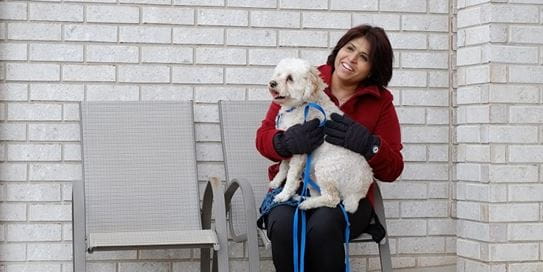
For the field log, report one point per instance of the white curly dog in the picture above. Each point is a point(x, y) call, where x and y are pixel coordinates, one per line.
point(340, 173)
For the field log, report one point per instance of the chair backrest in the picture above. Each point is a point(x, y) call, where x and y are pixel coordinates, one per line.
point(239, 122)
point(139, 167)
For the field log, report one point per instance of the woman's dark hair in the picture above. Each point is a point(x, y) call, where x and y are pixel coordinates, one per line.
point(380, 56)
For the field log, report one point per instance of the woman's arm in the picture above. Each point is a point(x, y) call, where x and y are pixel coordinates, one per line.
point(265, 134)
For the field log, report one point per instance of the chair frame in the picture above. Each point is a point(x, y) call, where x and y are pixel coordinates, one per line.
point(213, 204)
point(250, 236)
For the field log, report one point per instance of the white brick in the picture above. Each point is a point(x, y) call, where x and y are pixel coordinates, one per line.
point(473, 16)
point(12, 212)
point(472, 95)
point(412, 152)
point(223, 17)
point(38, 112)
point(50, 212)
point(12, 132)
point(473, 153)
point(144, 73)
point(197, 74)
point(206, 113)
point(13, 11)
point(438, 78)
point(56, 52)
point(303, 4)
point(172, 16)
point(32, 71)
point(472, 172)
point(34, 232)
point(435, 97)
point(438, 41)
point(404, 40)
point(411, 115)
point(112, 14)
point(71, 152)
point(526, 74)
point(54, 132)
point(386, 21)
point(90, 33)
point(477, 74)
point(12, 252)
point(421, 245)
point(438, 6)
point(513, 94)
point(417, 171)
point(88, 72)
point(248, 75)
point(56, 12)
point(33, 192)
point(144, 266)
point(252, 3)
point(526, 114)
point(208, 132)
point(267, 18)
point(526, 34)
point(470, 249)
point(405, 190)
point(57, 92)
point(49, 251)
point(221, 56)
point(473, 230)
point(514, 54)
point(34, 152)
point(166, 92)
point(13, 51)
point(470, 55)
point(442, 226)
point(210, 169)
point(40, 267)
point(194, 35)
point(315, 57)
point(438, 116)
point(300, 38)
point(526, 153)
point(179, 253)
point(507, 13)
point(13, 92)
point(512, 134)
point(352, 5)
point(333, 20)
point(438, 153)
point(248, 37)
point(513, 212)
point(209, 152)
point(112, 93)
point(199, 2)
point(408, 78)
point(270, 56)
point(526, 193)
point(112, 53)
point(469, 210)
point(425, 134)
point(424, 208)
point(70, 112)
point(514, 252)
point(422, 22)
point(526, 267)
point(214, 94)
point(258, 94)
point(145, 34)
point(34, 31)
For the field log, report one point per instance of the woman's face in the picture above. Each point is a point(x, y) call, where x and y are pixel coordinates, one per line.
point(352, 63)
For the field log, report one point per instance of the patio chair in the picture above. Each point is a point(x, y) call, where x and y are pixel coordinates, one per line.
point(140, 188)
point(246, 169)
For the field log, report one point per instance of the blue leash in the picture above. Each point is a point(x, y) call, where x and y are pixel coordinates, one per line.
point(299, 215)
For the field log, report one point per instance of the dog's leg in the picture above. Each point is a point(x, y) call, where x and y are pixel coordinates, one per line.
point(350, 202)
point(295, 167)
point(281, 175)
point(329, 198)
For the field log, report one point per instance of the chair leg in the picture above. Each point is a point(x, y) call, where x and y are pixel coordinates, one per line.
point(384, 255)
point(205, 259)
point(220, 261)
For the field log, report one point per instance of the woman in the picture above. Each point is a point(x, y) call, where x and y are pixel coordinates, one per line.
point(357, 72)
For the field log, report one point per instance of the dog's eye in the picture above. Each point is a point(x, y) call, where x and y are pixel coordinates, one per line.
point(289, 78)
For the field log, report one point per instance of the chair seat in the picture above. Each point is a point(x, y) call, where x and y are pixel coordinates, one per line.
point(203, 238)
point(362, 238)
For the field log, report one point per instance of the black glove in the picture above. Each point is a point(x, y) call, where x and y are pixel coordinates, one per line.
point(343, 131)
point(299, 139)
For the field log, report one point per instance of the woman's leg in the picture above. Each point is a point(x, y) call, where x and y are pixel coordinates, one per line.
point(279, 229)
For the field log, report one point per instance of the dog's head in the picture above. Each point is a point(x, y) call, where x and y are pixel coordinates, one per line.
point(294, 82)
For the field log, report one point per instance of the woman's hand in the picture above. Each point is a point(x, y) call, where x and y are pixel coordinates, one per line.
point(343, 131)
point(299, 139)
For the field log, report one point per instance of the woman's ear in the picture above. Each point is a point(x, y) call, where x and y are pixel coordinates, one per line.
point(315, 85)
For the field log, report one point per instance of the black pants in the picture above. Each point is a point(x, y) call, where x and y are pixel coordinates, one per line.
point(325, 236)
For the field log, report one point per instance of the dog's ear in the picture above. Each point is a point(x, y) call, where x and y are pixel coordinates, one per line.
point(315, 85)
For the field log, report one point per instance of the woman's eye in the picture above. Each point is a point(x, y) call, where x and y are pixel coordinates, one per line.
point(364, 57)
point(289, 78)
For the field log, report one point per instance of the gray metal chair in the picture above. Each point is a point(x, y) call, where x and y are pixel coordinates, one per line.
point(246, 169)
point(140, 186)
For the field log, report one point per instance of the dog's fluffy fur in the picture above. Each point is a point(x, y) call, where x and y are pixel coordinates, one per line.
point(340, 173)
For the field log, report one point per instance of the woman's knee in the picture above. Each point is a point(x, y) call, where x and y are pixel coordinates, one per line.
point(279, 225)
point(326, 223)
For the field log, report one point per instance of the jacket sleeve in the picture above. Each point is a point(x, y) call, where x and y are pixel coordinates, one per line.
point(265, 134)
point(387, 163)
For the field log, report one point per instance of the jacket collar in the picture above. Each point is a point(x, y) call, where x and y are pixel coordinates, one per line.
point(326, 75)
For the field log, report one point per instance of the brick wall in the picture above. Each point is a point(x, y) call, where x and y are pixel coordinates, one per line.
point(57, 53)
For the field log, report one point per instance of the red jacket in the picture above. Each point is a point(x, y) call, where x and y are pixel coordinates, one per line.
point(370, 106)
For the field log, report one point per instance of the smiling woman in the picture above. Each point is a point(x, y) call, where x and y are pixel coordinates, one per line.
point(357, 73)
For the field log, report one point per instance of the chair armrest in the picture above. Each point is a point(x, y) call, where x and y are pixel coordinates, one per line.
point(213, 204)
point(379, 208)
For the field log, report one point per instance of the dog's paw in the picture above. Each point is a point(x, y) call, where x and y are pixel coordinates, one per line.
point(275, 184)
point(305, 205)
point(281, 197)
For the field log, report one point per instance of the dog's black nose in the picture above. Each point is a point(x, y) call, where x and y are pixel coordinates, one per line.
point(273, 83)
